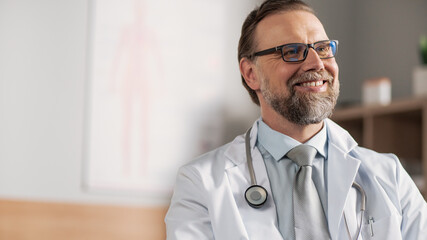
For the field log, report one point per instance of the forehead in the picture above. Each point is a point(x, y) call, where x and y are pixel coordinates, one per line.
point(289, 27)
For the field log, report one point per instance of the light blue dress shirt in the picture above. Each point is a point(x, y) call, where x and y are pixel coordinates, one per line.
point(281, 171)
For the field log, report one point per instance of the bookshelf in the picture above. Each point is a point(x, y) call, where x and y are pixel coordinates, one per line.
point(399, 128)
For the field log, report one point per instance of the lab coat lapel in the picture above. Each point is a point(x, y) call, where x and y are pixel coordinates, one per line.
point(342, 170)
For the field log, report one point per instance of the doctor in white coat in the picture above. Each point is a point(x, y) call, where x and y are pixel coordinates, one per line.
point(296, 86)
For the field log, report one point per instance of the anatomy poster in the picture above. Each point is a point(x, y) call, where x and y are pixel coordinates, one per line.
point(154, 91)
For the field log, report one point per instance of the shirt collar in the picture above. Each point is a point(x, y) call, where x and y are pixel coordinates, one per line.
point(278, 144)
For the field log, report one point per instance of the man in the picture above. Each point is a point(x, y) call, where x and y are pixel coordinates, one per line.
point(287, 64)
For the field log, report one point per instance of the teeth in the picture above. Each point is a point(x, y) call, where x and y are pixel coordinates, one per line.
point(312, 84)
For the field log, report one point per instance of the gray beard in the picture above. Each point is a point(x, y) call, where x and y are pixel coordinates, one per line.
point(303, 108)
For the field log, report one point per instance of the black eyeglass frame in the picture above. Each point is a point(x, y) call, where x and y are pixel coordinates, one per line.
point(309, 45)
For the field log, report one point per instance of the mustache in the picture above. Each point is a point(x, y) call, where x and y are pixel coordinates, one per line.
point(311, 76)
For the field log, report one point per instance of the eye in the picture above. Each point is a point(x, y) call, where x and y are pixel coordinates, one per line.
point(293, 52)
point(324, 49)
point(290, 52)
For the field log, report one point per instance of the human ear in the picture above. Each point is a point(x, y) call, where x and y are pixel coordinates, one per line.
point(249, 73)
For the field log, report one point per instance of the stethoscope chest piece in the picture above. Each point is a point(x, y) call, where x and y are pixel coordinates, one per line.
point(256, 196)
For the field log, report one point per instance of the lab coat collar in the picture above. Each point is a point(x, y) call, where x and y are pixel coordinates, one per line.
point(234, 152)
point(336, 135)
point(340, 137)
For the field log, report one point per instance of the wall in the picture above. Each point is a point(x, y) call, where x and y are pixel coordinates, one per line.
point(377, 38)
point(43, 48)
point(388, 31)
point(42, 68)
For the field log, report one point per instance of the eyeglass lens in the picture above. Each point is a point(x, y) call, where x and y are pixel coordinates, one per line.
point(298, 51)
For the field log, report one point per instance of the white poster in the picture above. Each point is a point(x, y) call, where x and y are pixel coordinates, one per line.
point(155, 90)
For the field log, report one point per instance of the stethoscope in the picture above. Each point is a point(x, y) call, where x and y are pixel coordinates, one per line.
point(256, 195)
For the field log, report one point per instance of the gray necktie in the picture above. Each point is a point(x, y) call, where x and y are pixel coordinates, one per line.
point(309, 218)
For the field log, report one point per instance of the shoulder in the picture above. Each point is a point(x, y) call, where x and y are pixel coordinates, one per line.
point(212, 165)
point(377, 162)
point(384, 174)
point(209, 160)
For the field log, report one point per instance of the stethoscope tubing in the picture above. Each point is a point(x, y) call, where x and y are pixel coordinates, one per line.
point(249, 157)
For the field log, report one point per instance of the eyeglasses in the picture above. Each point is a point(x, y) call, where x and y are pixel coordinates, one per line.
point(297, 52)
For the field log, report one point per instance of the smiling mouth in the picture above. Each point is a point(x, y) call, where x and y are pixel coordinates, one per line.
point(312, 83)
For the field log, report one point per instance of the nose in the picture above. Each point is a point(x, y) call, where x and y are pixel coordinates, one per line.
point(312, 62)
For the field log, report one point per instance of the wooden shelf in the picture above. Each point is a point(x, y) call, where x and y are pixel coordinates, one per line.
point(24, 220)
point(399, 128)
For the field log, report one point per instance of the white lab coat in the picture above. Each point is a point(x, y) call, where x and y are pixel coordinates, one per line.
point(209, 203)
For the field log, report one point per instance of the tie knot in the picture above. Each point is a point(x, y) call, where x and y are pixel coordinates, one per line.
point(302, 155)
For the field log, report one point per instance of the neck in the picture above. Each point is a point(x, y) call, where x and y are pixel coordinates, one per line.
point(277, 122)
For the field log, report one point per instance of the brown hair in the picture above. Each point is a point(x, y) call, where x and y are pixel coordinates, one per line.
point(247, 38)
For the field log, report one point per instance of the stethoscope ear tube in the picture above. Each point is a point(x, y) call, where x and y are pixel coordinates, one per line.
point(363, 194)
point(362, 211)
point(255, 195)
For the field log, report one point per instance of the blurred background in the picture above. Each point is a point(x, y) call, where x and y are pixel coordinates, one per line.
point(102, 101)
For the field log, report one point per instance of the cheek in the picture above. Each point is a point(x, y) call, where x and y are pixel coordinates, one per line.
point(285, 74)
point(332, 67)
